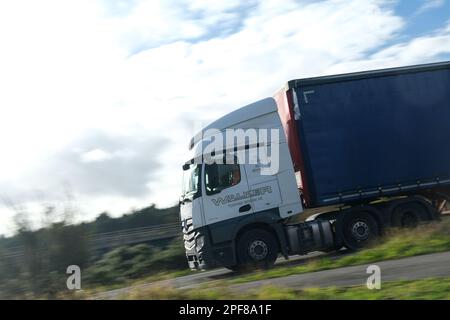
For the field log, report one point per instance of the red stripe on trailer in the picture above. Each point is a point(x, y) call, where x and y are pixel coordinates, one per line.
point(285, 104)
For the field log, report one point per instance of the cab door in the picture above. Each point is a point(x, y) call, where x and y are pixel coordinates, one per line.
point(264, 188)
point(225, 192)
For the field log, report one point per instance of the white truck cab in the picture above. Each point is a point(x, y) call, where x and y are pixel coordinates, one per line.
point(222, 197)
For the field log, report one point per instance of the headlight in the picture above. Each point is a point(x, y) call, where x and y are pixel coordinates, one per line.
point(199, 243)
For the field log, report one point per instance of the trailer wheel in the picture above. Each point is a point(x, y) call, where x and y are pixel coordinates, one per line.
point(359, 229)
point(409, 214)
point(257, 248)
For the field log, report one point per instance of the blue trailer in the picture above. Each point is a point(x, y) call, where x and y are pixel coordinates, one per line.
point(373, 134)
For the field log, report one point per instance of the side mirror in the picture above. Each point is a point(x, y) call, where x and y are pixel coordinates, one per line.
point(186, 166)
point(215, 191)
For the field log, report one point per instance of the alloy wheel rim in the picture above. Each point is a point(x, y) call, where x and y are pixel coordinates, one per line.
point(258, 250)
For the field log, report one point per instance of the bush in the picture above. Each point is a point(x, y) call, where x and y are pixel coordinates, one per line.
point(132, 262)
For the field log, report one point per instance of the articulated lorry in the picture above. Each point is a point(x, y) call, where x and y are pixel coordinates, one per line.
point(357, 153)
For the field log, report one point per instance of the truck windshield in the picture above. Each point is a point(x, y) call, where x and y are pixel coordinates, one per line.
point(191, 174)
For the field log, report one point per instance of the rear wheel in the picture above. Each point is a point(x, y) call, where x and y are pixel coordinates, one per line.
point(256, 248)
point(360, 228)
point(409, 214)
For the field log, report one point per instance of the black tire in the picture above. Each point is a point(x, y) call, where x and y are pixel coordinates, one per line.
point(233, 268)
point(256, 248)
point(359, 229)
point(409, 214)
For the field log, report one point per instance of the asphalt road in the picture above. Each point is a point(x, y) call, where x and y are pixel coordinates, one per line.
point(419, 267)
point(432, 265)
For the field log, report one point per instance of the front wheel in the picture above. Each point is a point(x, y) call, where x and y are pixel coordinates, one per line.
point(256, 248)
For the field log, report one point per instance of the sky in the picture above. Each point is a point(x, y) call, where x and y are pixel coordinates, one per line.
point(99, 98)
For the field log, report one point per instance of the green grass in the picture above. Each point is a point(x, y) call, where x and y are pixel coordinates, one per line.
point(398, 243)
point(92, 290)
point(425, 289)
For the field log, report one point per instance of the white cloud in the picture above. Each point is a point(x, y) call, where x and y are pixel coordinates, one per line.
point(422, 49)
point(149, 70)
point(429, 5)
point(95, 156)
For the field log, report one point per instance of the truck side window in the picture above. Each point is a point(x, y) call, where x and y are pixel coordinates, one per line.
point(221, 176)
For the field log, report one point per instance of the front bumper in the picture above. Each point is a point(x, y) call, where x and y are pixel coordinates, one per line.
point(207, 256)
point(198, 257)
point(199, 260)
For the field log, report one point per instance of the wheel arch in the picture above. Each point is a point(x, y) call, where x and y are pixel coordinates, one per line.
point(255, 225)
